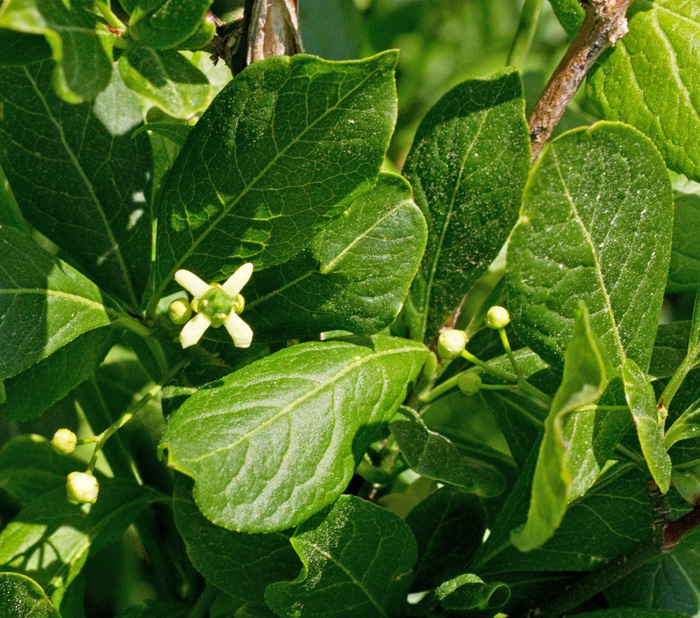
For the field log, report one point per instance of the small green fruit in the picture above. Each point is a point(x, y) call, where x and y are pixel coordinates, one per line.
point(179, 311)
point(82, 488)
point(64, 441)
point(451, 344)
point(497, 317)
point(469, 383)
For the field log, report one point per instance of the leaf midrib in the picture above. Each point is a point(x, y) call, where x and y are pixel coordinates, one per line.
point(72, 297)
point(249, 186)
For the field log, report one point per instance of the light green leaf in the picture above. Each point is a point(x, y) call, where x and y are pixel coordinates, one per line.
point(587, 231)
point(357, 562)
point(469, 591)
point(686, 426)
point(583, 382)
point(435, 457)
point(163, 24)
point(21, 597)
point(167, 78)
point(50, 538)
point(468, 167)
point(449, 527)
point(44, 304)
point(684, 272)
point(650, 425)
point(242, 565)
point(282, 150)
point(29, 467)
point(354, 276)
point(686, 479)
point(80, 45)
point(37, 388)
point(305, 415)
point(18, 48)
point(651, 79)
point(78, 176)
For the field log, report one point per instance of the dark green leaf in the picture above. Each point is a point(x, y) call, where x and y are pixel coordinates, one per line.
point(201, 37)
point(686, 426)
point(587, 231)
point(34, 390)
point(449, 526)
point(331, 29)
point(44, 304)
point(176, 132)
point(240, 564)
point(305, 415)
point(650, 79)
point(357, 562)
point(281, 151)
point(435, 457)
point(158, 609)
point(670, 348)
point(50, 538)
point(163, 24)
point(167, 78)
point(78, 176)
point(684, 272)
point(626, 612)
point(650, 425)
point(565, 445)
point(18, 48)
point(80, 45)
point(469, 591)
point(468, 167)
point(21, 597)
point(570, 14)
point(354, 276)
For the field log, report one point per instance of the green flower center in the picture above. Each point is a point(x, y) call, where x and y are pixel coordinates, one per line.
point(216, 305)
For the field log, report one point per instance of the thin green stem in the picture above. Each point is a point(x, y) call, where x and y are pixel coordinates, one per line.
point(506, 346)
point(131, 323)
point(529, 17)
point(494, 371)
point(106, 12)
point(440, 389)
point(676, 380)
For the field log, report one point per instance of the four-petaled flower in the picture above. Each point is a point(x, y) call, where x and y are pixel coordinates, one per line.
point(215, 305)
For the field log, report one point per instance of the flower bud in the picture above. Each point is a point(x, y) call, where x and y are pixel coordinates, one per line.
point(469, 383)
point(179, 311)
point(64, 441)
point(82, 488)
point(497, 317)
point(451, 344)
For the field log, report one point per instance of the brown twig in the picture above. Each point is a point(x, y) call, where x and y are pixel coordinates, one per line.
point(605, 24)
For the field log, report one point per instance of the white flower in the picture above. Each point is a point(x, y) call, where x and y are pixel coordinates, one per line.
point(82, 488)
point(216, 305)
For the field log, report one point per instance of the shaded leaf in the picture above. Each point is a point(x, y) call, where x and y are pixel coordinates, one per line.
point(684, 271)
point(319, 405)
point(78, 176)
point(175, 132)
point(44, 303)
point(357, 562)
point(167, 78)
point(468, 167)
point(240, 564)
point(626, 612)
point(435, 457)
point(18, 48)
point(21, 597)
point(588, 231)
point(354, 276)
point(163, 24)
point(469, 591)
point(583, 382)
point(281, 151)
point(80, 45)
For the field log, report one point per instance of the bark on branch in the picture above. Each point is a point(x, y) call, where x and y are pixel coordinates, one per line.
point(605, 24)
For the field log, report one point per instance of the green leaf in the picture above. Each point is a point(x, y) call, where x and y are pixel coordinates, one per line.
point(587, 232)
point(44, 304)
point(21, 597)
point(36, 389)
point(570, 14)
point(435, 457)
point(333, 29)
point(29, 467)
point(468, 167)
point(650, 79)
point(282, 149)
point(18, 48)
point(357, 562)
point(78, 176)
point(583, 382)
point(449, 526)
point(469, 591)
point(176, 132)
point(686, 426)
point(684, 272)
point(242, 565)
point(167, 78)
point(50, 538)
point(650, 425)
point(670, 348)
point(301, 416)
point(158, 609)
point(354, 276)
point(163, 24)
point(80, 45)
point(627, 612)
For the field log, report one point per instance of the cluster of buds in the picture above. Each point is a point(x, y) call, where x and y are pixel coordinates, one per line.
point(81, 487)
point(214, 305)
